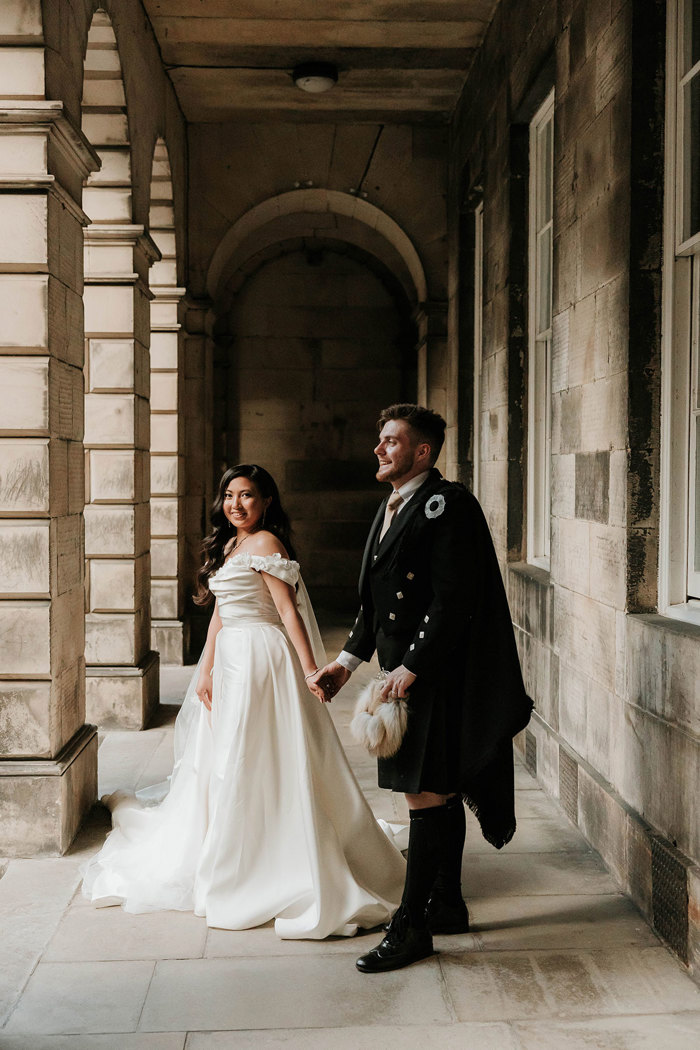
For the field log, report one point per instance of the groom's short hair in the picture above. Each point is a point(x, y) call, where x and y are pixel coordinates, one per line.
point(427, 425)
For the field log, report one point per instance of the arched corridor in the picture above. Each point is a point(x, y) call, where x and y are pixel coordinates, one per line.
point(492, 211)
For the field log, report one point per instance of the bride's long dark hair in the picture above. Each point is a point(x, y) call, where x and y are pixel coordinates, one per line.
point(275, 519)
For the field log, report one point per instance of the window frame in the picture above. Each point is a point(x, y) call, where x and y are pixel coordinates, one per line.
point(539, 436)
point(680, 349)
point(478, 343)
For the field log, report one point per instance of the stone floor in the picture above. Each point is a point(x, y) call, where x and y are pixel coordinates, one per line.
point(557, 956)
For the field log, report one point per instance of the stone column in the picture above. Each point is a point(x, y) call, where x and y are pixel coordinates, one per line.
point(200, 470)
point(48, 756)
point(431, 321)
point(122, 671)
point(167, 475)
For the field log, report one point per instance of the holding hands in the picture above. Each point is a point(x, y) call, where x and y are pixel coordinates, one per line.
point(328, 681)
point(312, 681)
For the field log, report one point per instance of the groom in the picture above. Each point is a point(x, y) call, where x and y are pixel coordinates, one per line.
point(434, 608)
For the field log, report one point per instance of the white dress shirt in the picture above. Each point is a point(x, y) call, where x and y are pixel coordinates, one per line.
point(348, 660)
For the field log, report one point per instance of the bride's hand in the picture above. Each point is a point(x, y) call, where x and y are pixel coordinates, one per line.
point(204, 689)
point(317, 690)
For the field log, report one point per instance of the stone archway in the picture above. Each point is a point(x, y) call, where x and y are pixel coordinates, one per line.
point(327, 213)
point(315, 297)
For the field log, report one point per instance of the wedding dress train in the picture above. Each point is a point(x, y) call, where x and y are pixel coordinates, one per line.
point(263, 817)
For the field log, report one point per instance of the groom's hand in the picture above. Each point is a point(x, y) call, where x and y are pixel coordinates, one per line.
point(398, 682)
point(332, 678)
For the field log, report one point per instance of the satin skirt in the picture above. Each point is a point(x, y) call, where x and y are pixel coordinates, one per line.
point(263, 818)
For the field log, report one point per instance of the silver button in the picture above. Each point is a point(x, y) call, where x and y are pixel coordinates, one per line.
point(399, 594)
point(392, 616)
point(350, 635)
point(427, 618)
point(412, 647)
point(421, 635)
point(409, 575)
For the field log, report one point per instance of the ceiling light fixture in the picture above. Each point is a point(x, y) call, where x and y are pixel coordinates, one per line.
point(315, 77)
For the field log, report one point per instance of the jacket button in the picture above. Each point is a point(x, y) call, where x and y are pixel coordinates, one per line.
point(392, 616)
point(409, 575)
point(399, 594)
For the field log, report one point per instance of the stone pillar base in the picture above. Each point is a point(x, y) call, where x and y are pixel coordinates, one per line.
point(123, 697)
point(168, 639)
point(43, 801)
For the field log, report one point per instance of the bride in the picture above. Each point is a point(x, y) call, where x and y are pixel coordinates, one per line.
point(263, 817)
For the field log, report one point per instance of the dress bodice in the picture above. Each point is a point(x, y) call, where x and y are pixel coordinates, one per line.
point(241, 592)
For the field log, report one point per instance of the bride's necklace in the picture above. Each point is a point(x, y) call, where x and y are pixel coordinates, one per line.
point(236, 545)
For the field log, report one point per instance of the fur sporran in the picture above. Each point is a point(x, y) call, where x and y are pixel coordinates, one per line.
point(379, 725)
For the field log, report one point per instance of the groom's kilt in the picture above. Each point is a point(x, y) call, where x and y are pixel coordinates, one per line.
point(429, 756)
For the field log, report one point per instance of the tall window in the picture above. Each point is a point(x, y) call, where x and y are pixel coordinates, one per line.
point(688, 233)
point(540, 333)
point(478, 347)
point(693, 553)
point(680, 563)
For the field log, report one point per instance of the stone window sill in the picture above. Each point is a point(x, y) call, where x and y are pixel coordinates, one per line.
point(672, 622)
point(533, 573)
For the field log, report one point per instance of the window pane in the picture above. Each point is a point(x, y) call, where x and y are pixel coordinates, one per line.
point(691, 165)
point(544, 280)
point(695, 540)
point(544, 173)
point(691, 35)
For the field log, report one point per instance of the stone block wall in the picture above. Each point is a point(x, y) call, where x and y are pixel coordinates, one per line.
point(614, 735)
point(316, 346)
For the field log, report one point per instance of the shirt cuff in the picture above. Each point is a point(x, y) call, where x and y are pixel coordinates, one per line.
point(348, 661)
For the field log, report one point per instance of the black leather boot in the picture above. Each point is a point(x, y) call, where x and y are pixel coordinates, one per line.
point(404, 944)
point(447, 917)
point(408, 938)
point(446, 911)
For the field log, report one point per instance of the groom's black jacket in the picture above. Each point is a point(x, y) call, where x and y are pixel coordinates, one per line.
point(432, 599)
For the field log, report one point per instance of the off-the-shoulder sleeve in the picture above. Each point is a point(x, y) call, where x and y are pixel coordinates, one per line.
point(283, 568)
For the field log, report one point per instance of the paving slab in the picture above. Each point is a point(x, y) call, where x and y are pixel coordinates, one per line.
point(375, 1037)
point(113, 1041)
point(110, 934)
point(525, 874)
point(660, 1032)
point(534, 803)
point(546, 835)
point(84, 997)
point(33, 896)
point(567, 921)
point(321, 991)
point(499, 986)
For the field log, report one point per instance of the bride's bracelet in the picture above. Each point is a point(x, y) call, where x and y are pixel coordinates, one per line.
point(307, 676)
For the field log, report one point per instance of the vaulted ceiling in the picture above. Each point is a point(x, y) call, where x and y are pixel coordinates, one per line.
point(398, 60)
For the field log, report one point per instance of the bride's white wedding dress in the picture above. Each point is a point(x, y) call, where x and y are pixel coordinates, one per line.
point(263, 817)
